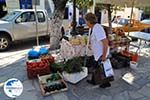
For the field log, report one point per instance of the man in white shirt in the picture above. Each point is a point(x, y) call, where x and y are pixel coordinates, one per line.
point(98, 42)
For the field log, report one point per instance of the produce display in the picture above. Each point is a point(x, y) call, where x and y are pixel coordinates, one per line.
point(52, 83)
point(79, 40)
point(73, 65)
point(35, 65)
point(37, 68)
point(56, 67)
point(119, 41)
point(45, 55)
point(54, 87)
point(53, 77)
point(51, 59)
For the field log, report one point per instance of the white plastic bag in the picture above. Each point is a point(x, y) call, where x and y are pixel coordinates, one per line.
point(108, 68)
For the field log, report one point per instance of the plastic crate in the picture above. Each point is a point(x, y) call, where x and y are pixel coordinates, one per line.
point(132, 56)
point(34, 69)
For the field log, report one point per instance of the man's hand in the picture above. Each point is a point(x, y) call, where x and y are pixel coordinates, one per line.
point(89, 47)
point(103, 58)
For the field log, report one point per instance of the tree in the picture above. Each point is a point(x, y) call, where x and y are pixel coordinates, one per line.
point(110, 8)
point(83, 4)
point(57, 18)
point(146, 10)
point(56, 22)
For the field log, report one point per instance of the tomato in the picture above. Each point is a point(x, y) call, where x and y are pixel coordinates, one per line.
point(41, 64)
point(51, 59)
point(29, 66)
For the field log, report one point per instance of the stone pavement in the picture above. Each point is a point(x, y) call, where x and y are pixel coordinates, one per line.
point(129, 84)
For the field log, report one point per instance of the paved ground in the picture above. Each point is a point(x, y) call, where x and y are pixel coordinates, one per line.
point(129, 84)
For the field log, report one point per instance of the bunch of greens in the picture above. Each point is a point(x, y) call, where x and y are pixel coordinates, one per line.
point(73, 65)
point(56, 67)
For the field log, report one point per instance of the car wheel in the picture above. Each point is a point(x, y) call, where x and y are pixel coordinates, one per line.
point(4, 42)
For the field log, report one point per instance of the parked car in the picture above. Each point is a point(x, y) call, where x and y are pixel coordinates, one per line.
point(123, 24)
point(21, 24)
point(146, 21)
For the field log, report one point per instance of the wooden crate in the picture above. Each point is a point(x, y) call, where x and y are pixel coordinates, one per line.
point(42, 83)
point(38, 69)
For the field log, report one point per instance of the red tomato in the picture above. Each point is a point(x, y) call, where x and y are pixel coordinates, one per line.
point(51, 59)
point(41, 64)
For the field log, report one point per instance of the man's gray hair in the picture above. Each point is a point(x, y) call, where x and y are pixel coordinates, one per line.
point(91, 18)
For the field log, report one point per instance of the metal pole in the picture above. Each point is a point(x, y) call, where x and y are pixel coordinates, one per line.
point(86, 47)
point(74, 23)
point(129, 27)
point(74, 14)
point(37, 38)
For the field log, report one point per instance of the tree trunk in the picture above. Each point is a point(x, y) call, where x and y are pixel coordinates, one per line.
point(56, 23)
point(55, 26)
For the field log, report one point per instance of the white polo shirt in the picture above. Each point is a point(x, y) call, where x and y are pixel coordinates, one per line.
point(97, 35)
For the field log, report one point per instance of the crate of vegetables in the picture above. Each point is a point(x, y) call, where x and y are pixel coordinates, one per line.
point(37, 68)
point(52, 83)
point(131, 55)
point(47, 57)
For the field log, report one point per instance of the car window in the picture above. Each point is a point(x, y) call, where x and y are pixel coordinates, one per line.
point(10, 16)
point(121, 21)
point(26, 17)
point(41, 16)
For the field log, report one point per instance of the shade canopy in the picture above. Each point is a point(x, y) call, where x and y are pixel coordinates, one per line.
point(129, 3)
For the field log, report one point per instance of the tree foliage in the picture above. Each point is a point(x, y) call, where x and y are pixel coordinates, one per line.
point(146, 10)
point(83, 4)
point(112, 7)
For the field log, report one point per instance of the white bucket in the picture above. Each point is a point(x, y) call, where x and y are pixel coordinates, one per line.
point(133, 65)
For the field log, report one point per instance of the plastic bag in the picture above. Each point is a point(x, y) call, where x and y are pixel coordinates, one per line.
point(43, 50)
point(33, 53)
point(103, 74)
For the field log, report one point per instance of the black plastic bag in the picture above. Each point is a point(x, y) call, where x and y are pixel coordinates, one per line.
point(98, 75)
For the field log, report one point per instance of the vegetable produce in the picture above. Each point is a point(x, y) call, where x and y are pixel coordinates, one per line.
point(54, 77)
point(35, 65)
point(53, 87)
point(73, 65)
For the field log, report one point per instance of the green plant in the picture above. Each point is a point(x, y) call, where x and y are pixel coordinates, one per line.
point(54, 77)
point(56, 67)
point(73, 65)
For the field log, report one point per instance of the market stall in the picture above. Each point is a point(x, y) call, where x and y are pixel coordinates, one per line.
point(40, 64)
point(128, 3)
point(121, 55)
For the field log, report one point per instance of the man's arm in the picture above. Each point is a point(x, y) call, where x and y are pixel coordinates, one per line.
point(105, 48)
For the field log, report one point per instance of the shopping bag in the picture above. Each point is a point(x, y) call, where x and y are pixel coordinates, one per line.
point(108, 70)
point(103, 73)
